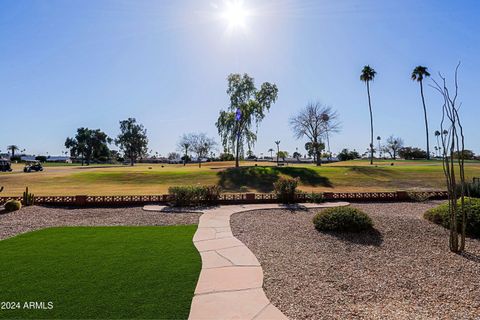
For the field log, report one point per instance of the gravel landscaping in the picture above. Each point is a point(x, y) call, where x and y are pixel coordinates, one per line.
point(36, 217)
point(402, 270)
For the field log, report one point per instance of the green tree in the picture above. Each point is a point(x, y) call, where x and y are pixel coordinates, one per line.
point(132, 139)
point(418, 74)
point(368, 74)
point(12, 149)
point(247, 109)
point(282, 155)
point(89, 144)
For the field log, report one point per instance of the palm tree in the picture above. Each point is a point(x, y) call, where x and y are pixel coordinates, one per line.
point(437, 135)
point(13, 148)
point(278, 149)
point(418, 74)
point(379, 147)
point(271, 152)
point(368, 74)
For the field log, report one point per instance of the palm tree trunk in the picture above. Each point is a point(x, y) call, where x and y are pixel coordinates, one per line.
point(371, 123)
point(278, 151)
point(426, 119)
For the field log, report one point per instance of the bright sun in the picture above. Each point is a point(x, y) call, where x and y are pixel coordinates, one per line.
point(235, 14)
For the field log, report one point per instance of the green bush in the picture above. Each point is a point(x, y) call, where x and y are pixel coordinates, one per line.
point(194, 195)
point(440, 215)
point(13, 205)
point(316, 197)
point(285, 189)
point(472, 189)
point(342, 219)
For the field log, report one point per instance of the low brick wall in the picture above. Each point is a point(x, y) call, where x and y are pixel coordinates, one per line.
point(228, 198)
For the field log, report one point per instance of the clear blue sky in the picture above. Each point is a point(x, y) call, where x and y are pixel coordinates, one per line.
point(67, 64)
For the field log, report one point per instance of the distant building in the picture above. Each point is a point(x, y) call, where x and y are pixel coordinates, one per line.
point(60, 159)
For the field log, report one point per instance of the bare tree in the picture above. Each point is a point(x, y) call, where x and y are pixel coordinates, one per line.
point(453, 142)
point(201, 145)
point(314, 122)
point(394, 144)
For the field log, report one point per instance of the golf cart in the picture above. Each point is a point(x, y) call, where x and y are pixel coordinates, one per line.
point(5, 165)
point(33, 166)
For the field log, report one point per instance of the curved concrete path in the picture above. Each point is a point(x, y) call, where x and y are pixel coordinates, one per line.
point(231, 279)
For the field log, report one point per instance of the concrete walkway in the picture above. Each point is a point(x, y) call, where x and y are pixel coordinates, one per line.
point(231, 279)
point(230, 283)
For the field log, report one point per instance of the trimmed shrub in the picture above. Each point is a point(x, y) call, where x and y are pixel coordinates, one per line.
point(440, 215)
point(194, 195)
point(285, 189)
point(13, 205)
point(342, 219)
point(316, 197)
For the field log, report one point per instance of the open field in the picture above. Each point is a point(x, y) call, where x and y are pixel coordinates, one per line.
point(101, 272)
point(347, 176)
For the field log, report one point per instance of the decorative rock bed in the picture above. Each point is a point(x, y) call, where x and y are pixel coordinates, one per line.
point(401, 270)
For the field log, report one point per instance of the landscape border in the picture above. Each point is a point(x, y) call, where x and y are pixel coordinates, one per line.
point(231, 198)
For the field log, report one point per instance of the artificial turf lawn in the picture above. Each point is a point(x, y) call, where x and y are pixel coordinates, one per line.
point(101, 272)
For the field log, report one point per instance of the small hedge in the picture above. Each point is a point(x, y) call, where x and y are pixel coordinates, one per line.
point(285, 189)
point(440, 215)
point(194, 195)
point(13, 205)
point(342, 219)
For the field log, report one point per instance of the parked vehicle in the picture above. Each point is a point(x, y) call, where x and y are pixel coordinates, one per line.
point(5, 165)
point(33, 166)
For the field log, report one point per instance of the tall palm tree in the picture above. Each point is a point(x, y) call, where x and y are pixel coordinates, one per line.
point(418, 74)
point(13, 148)
point(368, 74)
point(278, 148)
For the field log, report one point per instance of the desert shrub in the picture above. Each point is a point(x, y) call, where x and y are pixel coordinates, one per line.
point(342, 219)
point(440, 215)
point(194, 195)
point(13, 205)
point(285, 189)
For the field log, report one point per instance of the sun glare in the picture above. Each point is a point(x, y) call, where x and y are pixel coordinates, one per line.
point(235, 14)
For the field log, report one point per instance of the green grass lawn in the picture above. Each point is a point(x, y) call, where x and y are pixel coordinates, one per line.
point(348, 176)
point(101, 272)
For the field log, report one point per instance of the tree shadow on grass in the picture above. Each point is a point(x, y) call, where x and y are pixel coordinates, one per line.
point(263, 178)
point(371, 237)
point(372, 171)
